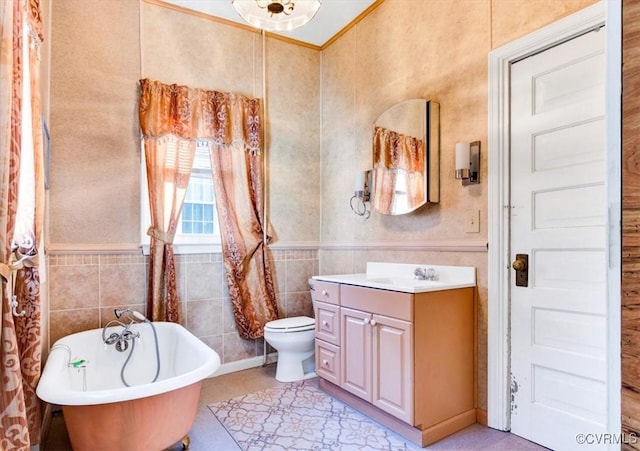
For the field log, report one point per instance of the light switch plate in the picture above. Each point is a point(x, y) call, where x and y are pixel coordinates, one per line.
point(473, 222)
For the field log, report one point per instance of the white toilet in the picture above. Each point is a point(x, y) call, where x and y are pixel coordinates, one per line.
point(293, 338)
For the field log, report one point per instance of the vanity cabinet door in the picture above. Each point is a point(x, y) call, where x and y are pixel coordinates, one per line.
point(356, 352)
point(327, 322)
point(392, 366)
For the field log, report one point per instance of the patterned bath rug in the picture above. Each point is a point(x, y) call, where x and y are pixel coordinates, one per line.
point(299, 416)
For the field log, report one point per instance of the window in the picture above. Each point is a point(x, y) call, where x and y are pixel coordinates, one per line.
point(198, 230)
point(198, 207)
point(23, 232)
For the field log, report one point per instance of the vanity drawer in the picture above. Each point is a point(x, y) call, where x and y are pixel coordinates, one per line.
point(327, 322)
point(383, 302)
point(328, 361)
point(325, 291)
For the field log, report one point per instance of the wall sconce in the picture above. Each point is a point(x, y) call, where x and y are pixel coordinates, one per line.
point(362, 194)
point(468, 162)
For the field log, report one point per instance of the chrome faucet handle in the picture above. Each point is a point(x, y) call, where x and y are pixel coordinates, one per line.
point(431, 274)
point(419, 273)
point(111, 339)
point(127, 334)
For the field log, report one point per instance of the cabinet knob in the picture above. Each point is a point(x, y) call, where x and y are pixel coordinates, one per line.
point(325, 362)
point(373, 322)
point(324, 322)
point(366, 321)
point(324, 293)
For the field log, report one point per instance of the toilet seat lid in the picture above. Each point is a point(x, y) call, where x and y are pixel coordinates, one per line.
point(295, 323)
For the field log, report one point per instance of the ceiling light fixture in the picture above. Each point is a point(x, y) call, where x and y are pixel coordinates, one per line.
point(277, 15)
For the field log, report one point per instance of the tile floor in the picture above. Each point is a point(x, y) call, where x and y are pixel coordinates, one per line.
point(208, 434)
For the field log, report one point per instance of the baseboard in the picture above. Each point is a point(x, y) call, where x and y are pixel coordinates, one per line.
point(245, 364)
point(481, 417)
point(448, 427)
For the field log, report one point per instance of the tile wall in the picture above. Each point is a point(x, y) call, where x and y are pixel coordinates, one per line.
point(85, 288)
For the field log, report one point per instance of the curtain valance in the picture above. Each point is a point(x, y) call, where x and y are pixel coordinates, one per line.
point(392, 150)
point(191, 113)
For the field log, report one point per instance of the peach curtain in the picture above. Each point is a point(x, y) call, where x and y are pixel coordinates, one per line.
point(166, 121)
point(27, 282)
point(394, 152)
point(20, 352)
point(168, 161)
point(173, 117)
point(237, 175)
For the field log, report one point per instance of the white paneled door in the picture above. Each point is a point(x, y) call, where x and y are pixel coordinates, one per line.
point(558, 239)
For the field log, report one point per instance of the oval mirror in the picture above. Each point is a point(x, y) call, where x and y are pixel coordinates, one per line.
point(406, 157)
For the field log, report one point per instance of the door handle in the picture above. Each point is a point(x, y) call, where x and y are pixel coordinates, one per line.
point(521, 267)
point(519, 264)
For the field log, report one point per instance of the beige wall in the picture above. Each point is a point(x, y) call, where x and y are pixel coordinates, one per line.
point(99, 52)
point(436, 50)
point(320, 106)
point(95, 62)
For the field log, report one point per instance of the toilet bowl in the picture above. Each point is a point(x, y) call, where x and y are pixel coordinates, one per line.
point(293, 338)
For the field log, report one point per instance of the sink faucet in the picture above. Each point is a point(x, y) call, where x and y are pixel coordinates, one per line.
point(425, 274)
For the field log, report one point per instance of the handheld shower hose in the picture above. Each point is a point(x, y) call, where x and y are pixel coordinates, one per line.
point(133, 314)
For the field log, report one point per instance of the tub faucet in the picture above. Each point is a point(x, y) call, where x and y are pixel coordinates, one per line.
point(425, 274)
point(66, 348)
point(120, 340)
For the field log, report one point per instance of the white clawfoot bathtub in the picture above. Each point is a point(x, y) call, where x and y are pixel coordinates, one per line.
point(83, 375)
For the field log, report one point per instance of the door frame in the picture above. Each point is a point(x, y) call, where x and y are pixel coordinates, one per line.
point(499, 258)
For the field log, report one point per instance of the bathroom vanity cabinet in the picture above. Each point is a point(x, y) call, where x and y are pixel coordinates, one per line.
point(405, 359)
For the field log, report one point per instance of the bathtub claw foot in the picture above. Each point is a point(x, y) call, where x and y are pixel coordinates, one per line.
point(186, 442)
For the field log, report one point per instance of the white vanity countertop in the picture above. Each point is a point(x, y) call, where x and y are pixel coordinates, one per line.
point(400, 277)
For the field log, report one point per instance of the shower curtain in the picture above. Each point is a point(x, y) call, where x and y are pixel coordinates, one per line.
point(172, 117)
point(21, 220)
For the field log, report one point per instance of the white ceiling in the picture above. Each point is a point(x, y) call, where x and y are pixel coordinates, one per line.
point(332, 17)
